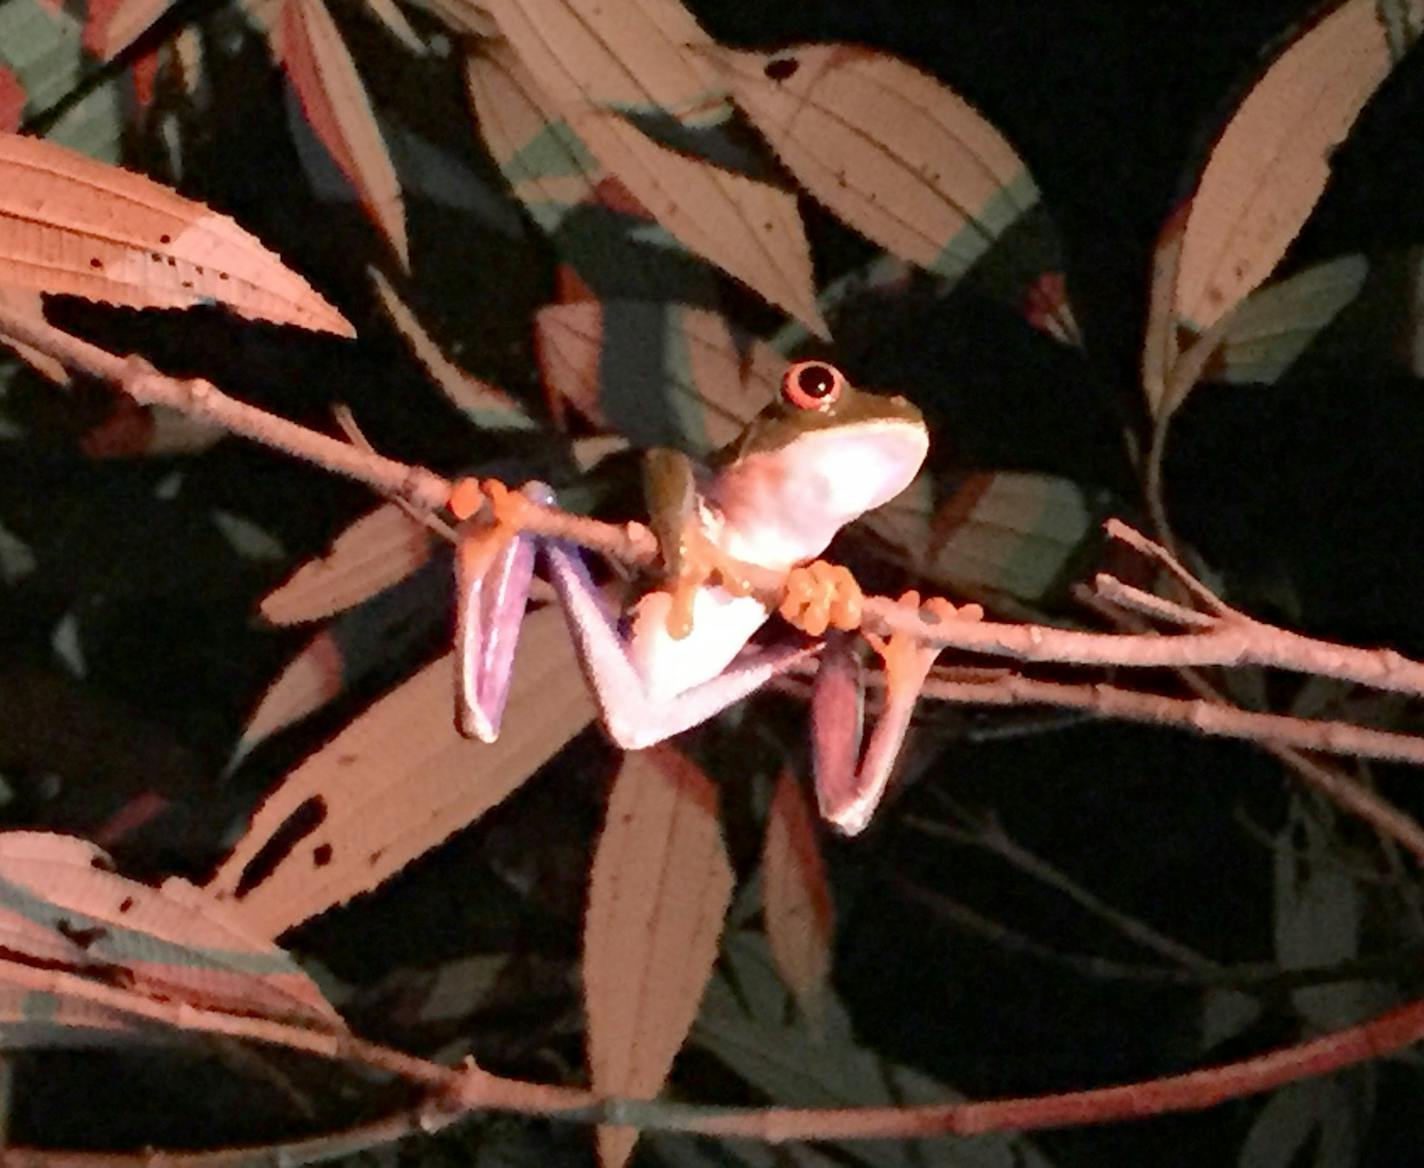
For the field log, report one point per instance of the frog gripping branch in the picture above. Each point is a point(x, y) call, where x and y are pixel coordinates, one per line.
point(815, 459)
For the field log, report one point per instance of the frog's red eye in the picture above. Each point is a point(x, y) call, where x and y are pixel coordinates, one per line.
point(812, 385)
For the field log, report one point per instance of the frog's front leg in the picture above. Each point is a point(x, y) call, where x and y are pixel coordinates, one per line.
point(849, 785)
point(655, 684)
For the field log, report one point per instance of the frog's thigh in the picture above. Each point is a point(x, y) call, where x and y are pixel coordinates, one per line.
point(721, 625)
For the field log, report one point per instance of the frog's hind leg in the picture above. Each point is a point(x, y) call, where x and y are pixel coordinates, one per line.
point(636, 714)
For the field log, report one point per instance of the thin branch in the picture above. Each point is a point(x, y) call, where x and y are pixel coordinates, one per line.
point(453, 1092)
point(1233, 640)
point(1205, 716)
point(1387, 820)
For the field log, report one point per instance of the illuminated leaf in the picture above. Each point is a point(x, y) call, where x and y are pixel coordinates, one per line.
point(547, 166)
point(1002, 537)
point(890, 150)
point(72, 225)
point(749, 229)
point(630, 56)
point(658, 895)
point(61, 907)
point(336, 104)
point(396, 782)
point(377, 550)
point(488, 406)
point(1272, 160)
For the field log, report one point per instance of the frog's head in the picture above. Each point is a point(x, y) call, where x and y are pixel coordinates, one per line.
point(818, 457)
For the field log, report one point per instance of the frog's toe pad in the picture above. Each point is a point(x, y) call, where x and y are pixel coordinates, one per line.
point(820, 595)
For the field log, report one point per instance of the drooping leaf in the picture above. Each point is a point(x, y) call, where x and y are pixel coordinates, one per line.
point(660, 373)
point(377, 550)
point(658, 895)
point(631, 56)
point(800, 917)
point(1002, 537)
point(1272, 160)
point(334, 98)
point(390, 15)
point(749, 229)
point(311, 679)
point(61, 907)
point(1275, 324)
point(547, 166)
point(890, 150)
point(488, 406)
point(70, 224)
point(396, 782)
point(375, 631)
point(743, 1023)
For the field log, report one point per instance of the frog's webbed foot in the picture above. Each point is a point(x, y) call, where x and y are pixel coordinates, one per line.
point(821, 595)
point(494, 564)
point(849, 794)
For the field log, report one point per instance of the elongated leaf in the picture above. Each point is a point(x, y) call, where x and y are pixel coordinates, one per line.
point(488, 406)
point(336, 104)
point(890, 150)
point(28, 302)
point(749, 229)
point(396, 782)
point(70, 224)
point(311, 679)
point(800, 918)
point(630, 56)
point(545, 163)
point(377, 550)
point(1003, 537)
point(464, 16)
point(61, 907)
point(375, 632)
point(661, 373)
point(742, 1024)
point(658, 895)
point(1271, 162)
point(1274, 325)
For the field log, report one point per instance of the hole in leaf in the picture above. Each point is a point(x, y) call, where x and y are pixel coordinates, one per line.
point(782, 68)
point(300, 824)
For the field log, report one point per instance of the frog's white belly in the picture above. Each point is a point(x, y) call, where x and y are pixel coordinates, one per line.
point(721, 625)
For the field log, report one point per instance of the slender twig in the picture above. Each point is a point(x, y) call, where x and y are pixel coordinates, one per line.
point(1233, 639)
point(1387, 820)
point(456, 1091)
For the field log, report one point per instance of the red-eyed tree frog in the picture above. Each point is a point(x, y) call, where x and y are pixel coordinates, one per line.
point(815, 459)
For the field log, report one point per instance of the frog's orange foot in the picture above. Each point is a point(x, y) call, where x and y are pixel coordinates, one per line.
point(907, 658)
point(700, 560)
point(480, 544)
point(820, 595)
point(508, 508)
